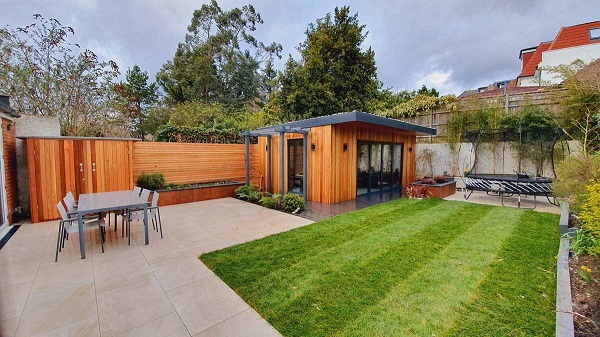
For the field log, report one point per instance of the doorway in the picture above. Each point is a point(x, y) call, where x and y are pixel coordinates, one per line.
point(379, 167)
point(295, 166)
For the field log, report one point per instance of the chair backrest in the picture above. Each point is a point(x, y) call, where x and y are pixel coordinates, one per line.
point(69, 202)
point(71, 197)
point(155, 199)
point(62, 211)
point(137, 190)
point(145, 194)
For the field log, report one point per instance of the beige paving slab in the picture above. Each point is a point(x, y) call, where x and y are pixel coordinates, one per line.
point(120, 273)
point(161, 249)
point(204, 303)
point(59, 275)
point(86, 328)
point(115, 250)
point(246, 323)
point(233, 234)
point(207, 245)
point(166, 326)
point(12, 253)
point(191, 234)
point(180, 270)
point(19, 272)
point(8, 327)
point(128, 307)
point(13, 299)
point(52, 309)
point(479, 197)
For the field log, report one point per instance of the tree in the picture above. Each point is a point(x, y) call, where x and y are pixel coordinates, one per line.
point(43, 74)
point(219, 61)
point(334, 73)
point(580, 114)
point(134, 97)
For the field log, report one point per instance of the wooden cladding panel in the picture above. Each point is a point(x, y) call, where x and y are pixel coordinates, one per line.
point(50, 166)
point(182, 163)
point(57, 166)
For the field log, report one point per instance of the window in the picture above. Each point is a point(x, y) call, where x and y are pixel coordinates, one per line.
point(594, 33)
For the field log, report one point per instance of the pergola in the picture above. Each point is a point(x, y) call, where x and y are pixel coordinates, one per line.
point(281, 131)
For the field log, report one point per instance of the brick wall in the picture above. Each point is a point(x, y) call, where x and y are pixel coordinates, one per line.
point(10, 167)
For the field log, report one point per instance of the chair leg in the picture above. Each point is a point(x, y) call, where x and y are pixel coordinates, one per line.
point(128, 231)
point(101, 236)
point(58, 242)
point(115, 221)
point(159, 222)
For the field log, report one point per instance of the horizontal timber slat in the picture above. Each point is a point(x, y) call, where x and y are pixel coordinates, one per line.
point(183, 163)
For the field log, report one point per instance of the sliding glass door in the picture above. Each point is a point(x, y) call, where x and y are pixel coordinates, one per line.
point(379, 167)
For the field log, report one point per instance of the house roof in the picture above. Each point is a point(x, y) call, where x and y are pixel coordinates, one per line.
point(8, 110)
point(346, 117)
point(534, 60)
point(574, 36)
point(567, 37)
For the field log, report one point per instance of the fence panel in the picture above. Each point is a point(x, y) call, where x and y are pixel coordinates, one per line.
point(184, 163)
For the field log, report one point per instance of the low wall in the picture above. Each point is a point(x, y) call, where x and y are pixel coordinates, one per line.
point(192, 194)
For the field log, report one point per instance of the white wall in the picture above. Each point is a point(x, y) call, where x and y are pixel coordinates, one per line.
point(566, 56)
point(31, 126)
point(505, 161)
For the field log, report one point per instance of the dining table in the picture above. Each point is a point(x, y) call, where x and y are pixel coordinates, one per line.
point(94, 203)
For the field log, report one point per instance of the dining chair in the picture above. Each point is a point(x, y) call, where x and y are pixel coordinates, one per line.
point(153, 215)
point(66, 227)
point(145, 194)
point(137, 190)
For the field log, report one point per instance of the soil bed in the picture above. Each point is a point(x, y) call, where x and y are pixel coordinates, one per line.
point(586, 296)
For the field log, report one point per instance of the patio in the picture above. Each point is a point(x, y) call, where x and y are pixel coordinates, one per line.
point(161, 289)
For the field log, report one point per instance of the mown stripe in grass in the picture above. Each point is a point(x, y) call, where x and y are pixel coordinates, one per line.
point(425, 303)
point(303, 274)
point(343, 294)
point(517, 298)
point(286, 249)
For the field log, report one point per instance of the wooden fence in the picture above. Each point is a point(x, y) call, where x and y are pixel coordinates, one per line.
point(438, 119)
point(86, 165)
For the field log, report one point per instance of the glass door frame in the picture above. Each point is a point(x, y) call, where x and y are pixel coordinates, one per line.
point(392, 187)
point(294, 143)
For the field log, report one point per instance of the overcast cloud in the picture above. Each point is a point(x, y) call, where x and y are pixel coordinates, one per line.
point(449, 45)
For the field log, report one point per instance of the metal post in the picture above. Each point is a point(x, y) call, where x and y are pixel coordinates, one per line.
point(281, 163)
point(269, 164)
point(305, 166)
point(247, 143)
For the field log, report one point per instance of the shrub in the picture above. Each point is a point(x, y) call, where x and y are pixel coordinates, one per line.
point(584, 243)
point(416, 191)
point(428, 181)
point(270, 200)
point(248, 193)
point(590, 210)
point(152, 181)
point(572, 177)
point(292, 203)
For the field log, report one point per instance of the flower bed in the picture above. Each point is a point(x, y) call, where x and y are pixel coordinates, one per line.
point(197, 192)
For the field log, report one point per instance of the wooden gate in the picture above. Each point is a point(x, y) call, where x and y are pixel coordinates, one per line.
point(57, 166)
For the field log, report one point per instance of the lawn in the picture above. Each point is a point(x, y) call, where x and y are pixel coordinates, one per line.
point(403, 268)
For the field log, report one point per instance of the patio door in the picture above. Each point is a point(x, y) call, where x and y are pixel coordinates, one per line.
point(379, 167)
point(295, 166)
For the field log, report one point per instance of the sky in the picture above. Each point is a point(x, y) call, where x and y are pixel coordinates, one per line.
point(449, 45)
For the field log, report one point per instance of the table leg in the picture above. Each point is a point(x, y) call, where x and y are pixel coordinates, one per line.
point(146, 224)
point(81, 237)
